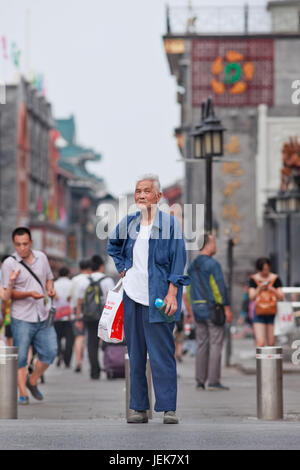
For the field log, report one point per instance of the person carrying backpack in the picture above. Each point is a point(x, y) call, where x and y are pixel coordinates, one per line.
point(265, 289)
point(91, 300)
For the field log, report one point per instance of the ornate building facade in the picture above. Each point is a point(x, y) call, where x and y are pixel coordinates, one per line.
point(249, 74)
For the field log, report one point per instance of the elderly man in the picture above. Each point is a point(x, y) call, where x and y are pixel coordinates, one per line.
point(149, 252)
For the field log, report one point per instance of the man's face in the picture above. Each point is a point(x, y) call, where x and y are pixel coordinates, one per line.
point(146, 194)
point(23, 245)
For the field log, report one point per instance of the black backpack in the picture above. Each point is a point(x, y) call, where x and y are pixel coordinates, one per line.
point(93, 301)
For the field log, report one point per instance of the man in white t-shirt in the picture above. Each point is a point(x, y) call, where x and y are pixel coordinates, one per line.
point(78, 326)
point(63, 325)
point(97, 267)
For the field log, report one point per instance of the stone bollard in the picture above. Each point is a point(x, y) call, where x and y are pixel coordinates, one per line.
point(269, 383)
point(8, 382)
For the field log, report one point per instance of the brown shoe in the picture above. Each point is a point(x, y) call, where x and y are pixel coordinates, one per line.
point(137, 417)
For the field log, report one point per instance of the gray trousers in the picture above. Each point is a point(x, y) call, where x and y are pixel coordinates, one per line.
point(209, 352)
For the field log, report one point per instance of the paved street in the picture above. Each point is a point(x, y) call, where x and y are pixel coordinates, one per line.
point(78, 413)
point(158, 140)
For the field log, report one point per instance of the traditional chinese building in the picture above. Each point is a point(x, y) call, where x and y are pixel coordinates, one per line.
point(28, 160)
point(282, 216)
point(79, 199)
point(44, 181)
point(247, 62)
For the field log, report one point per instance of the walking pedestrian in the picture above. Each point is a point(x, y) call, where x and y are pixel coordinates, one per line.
point(63, 321)
point(189, 344)
point(208, 289)
point(179, 337)
point(5, 302)
point(265, 289)
point(31, 290)
point(6, 292)
point(149, 252)
point(5, 310)
point(78, 326)
point(91, 301)
point(246, 313)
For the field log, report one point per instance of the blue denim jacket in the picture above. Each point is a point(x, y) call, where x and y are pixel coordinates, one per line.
point(215, 288)
point(166, 259)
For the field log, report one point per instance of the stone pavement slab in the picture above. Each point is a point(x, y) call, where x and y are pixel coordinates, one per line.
point(78, 413)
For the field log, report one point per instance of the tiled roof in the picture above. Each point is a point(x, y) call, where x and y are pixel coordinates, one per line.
point(73, 157)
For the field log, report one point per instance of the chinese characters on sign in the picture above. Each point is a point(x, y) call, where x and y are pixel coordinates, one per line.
point(233, 171)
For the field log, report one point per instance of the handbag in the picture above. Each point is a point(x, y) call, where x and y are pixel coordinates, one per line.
point(284, 323)
point(63, 311)
point(110, 327)
point(51, 315)
point(217, 311)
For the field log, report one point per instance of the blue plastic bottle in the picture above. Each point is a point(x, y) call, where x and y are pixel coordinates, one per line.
point(161, 306)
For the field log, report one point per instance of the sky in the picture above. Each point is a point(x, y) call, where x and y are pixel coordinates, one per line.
point(103, 61)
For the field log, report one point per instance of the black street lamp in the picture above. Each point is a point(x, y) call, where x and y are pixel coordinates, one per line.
point(213, 132)
point(208, 142)
point(198, 135)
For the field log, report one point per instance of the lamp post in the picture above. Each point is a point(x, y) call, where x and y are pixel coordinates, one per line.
point(198, 135)
point(208, 142)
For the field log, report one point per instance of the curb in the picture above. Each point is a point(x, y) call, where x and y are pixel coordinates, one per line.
point(251, 370)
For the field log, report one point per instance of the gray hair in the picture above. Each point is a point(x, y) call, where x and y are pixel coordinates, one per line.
point(151, 177)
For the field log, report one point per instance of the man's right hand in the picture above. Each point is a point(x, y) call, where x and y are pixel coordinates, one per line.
point(122, 273)
point(37, 295)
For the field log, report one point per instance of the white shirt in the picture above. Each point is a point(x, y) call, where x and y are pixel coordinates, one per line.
point(62, 287)
point(135, 282)
point(106, 285)
point(75, 289)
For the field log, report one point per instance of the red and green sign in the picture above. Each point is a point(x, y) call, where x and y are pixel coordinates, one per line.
point(237, 72)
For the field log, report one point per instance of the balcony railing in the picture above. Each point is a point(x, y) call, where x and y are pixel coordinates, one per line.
point(217, 20)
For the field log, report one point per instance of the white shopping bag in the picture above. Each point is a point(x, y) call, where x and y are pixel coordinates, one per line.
point(284, 319)
point(110, 327)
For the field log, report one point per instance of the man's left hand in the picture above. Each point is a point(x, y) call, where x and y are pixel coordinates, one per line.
point(171, 304)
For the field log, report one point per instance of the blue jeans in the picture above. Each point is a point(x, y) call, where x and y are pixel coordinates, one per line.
point(42, 338)
point(266, 319)
point(156, 338)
